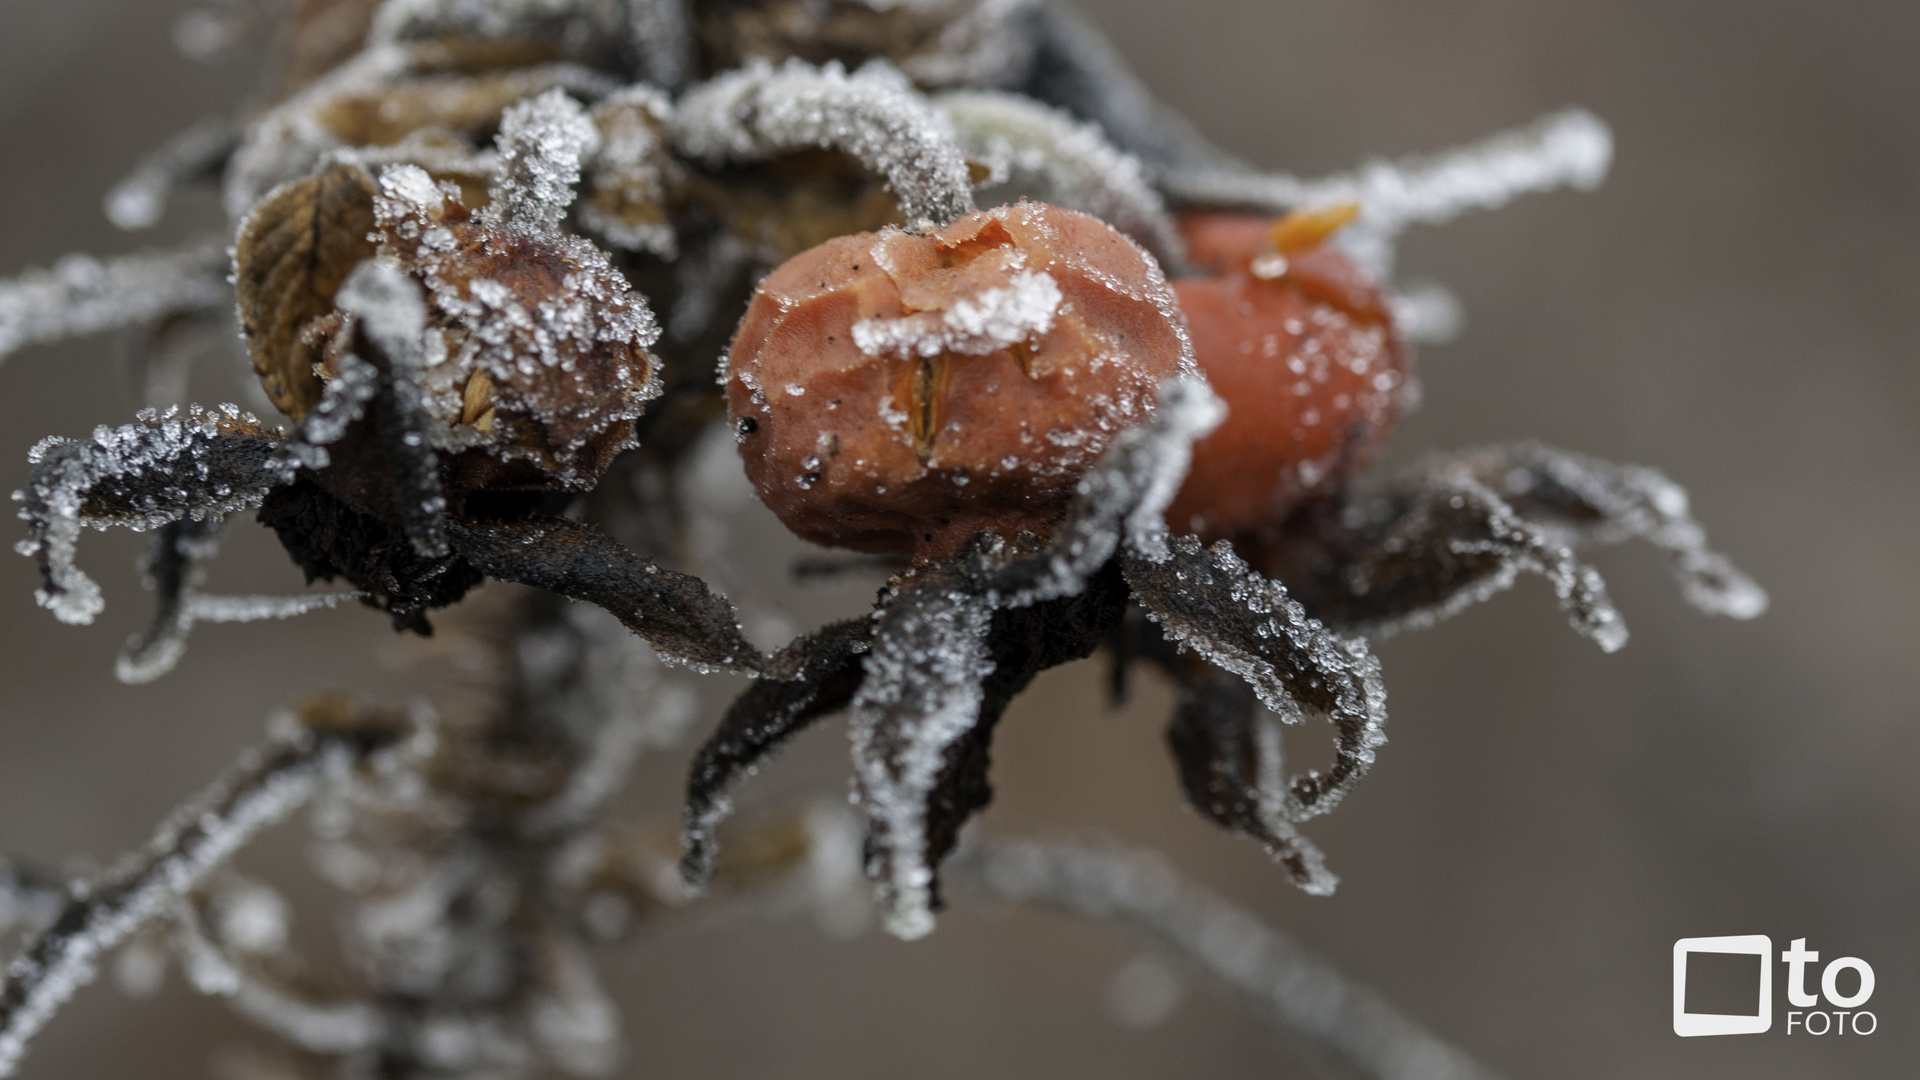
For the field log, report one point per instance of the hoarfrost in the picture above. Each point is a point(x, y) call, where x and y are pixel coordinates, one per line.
point(1033, 149)
point(541, 143)
point(922, 692)
point(1270, 971)
point(873, 115)
point(977, 325)
point(342, 401)
point(163, 468)
point(1565, 149)
point(83, 295)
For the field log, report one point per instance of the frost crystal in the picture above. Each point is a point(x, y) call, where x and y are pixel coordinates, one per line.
point(922, 693)
point(1047, 154)
point(975, 325)
point(662, 34)
point(83, 295)
point(873, 116)
point(141, 476)
point(541, 143)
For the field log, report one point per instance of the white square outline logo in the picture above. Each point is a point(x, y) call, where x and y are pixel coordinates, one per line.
point(1689, 1024)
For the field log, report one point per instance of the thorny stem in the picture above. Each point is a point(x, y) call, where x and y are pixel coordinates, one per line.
point(1271, 972)
point(260, 790)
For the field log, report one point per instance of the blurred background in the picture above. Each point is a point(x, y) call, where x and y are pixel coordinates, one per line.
point(1739, 305)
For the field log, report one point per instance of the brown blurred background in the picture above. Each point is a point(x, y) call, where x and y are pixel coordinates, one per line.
point(1739, 305)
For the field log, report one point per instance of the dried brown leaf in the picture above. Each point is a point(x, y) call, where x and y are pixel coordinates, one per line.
point(293, 251)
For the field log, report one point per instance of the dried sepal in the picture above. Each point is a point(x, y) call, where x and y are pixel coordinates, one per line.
point(676, 613)
point(759, 722)
point(293, 251)
point(1231, 760)
point(921, 695)
point(1207, 600)
point(163, 468)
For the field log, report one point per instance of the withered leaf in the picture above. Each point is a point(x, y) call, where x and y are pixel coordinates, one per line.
point(293, 251)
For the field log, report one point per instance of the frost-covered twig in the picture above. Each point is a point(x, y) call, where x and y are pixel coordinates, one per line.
point(196, 153)
point(84, 295)
point(1565, 149)
point(263, 788)
point(1271, 972)
point(1049, 154)
point(873, 115)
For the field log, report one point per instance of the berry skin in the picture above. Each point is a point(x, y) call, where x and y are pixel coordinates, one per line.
point(894, 392)
point(1302, 348)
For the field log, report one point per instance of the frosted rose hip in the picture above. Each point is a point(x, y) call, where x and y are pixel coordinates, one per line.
point(1307, 360)
point(895, 392)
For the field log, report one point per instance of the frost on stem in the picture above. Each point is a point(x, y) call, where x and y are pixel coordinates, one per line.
point(1269, 971)
point(83, 295)
point(1564, 149)
point(171, 569)
point(98, 915)
point(164, 468)
point(1208, 600)
point(922, 692)
point(1047, 154)
point(541, 143)
point(873, 115)
point(1461, 527)
point(198, 153)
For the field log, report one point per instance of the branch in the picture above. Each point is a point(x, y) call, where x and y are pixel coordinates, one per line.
point(260, 790)
point(1275, 975)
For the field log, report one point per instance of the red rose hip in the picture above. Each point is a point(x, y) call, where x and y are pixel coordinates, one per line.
point(894, 392)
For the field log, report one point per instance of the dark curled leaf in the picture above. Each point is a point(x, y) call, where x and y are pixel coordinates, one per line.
point(1207, 600)
point(759, 723)
point(170, 567)
point(164, 468)
point(293, 251)
point(1435, 544)
point(329, 539)
point(675, 613)
point(1022, 643)
point(922, 693)
point(1229, 752)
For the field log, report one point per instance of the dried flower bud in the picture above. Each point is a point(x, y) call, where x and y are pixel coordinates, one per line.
point(1303, 349)
point(901, 392)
